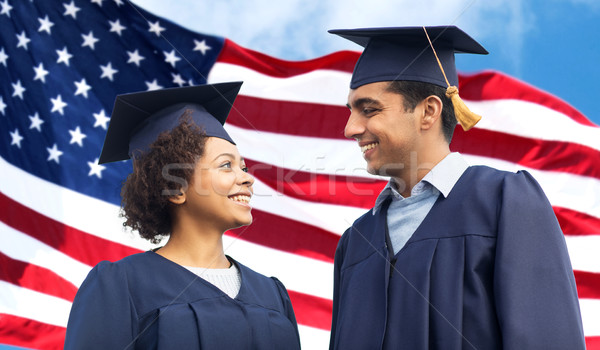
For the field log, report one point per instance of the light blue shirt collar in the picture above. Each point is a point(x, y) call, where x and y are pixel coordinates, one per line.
point(442, 177)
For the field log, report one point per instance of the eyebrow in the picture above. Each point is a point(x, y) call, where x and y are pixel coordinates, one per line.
point(230, 155)
point(364, 101)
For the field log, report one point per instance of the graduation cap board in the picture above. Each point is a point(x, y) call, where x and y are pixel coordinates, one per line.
point(138, 118)
point(424, 54)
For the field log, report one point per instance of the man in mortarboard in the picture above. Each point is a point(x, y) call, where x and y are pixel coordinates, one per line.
point(451, 256)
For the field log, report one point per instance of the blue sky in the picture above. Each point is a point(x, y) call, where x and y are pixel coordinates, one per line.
point(551, 44)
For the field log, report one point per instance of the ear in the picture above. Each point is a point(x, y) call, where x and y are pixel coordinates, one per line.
point(178, 198)
point(432, 111)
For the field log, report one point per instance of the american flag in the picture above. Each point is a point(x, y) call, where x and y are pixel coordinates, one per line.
point(63, 62)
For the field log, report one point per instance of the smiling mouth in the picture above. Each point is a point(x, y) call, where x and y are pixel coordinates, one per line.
point(368, 147)
point(240, 198)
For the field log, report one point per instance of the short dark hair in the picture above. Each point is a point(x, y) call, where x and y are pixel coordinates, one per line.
point(144, 206)
point(416, 91)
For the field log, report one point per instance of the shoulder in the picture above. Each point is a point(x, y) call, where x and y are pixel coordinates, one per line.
point(261, 290)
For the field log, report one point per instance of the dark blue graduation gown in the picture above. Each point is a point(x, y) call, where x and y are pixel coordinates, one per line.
point(487, 269)
point(145, 301)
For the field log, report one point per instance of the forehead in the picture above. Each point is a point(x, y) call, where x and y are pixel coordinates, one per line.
point(370, 93)
point(215, 146)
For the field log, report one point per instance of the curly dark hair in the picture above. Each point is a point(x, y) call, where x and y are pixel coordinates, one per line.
point(416, 91)
point(159, 174)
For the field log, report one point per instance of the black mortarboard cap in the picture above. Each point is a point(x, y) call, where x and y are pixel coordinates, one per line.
point(404, 53)
point(138, 118)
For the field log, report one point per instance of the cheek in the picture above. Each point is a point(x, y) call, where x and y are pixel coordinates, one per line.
point(223, 182)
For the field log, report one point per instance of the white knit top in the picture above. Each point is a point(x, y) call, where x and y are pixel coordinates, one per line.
point(227, 280)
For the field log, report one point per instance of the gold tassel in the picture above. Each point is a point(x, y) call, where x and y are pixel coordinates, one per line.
point(464, 116)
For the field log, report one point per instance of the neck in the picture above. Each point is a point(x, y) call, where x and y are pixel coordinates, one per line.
point(189, 245)
point(420, 164)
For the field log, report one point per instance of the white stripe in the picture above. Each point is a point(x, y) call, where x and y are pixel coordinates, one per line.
point(72, 208)
point(319, 86)
point(333, 218)
point(20, 246)
point(313, 338)
point(535, 121)
point(590, 315)
point(30, 304)
point(583, 251)
point(297, 273)
point(575, 192)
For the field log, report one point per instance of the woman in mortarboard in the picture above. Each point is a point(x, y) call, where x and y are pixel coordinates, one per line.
point(189, 183)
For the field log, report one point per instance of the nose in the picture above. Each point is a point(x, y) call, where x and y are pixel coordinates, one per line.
point(245, 179)
point(354, 126)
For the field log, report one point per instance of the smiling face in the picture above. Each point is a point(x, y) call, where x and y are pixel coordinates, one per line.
point(387, 134)
point(220, 188)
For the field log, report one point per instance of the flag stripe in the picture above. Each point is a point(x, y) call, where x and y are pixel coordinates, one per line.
point(27, 303)
point(81, 246)
point(588, 284)
point(492, 85)
point(36, 278)
point(287, 235)
point(235, 54)
point(312, 311)
point(25, 332)
point(583, 251)
point(576, 223)
point(590, 315)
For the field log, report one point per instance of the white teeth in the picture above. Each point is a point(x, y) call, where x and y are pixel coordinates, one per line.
point(240, 198)
point(368, 147)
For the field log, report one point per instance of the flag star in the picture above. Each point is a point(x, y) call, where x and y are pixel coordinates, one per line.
point(40, 73)
point(118, 2)
point(16, 138)
point(82, 88)
point(95, 168)
point(177, 79)
point(54, 153)
point(201, 46)
point(45, 24)
point(108, 71)
point(2, 105)
point(99, 2)
point(190, 82)
point(36, 122)
point(77, 136)
point(63, 56)
point(155, 28)
point(3, 57)
point(19, 89)
point(5, 8)
point(58, 105)
point(23, 40)
point(134, 57)
point(89, 40)
point(116, 27)
point(101, 119)
point(153, 85)
point(71, 10)
point(171, 57)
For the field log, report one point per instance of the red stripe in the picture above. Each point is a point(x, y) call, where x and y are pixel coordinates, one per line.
point(287, 117)
point(35, 278)
point(312, 311)
point(592, 343)
point(77, 244)
point(532, 153)
point(490, 85)
point(293, 118)
point(588, 284)
point(359, 192)
point(576, 223)
point(234, 54)
point(288, 235)
point(28, 333)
